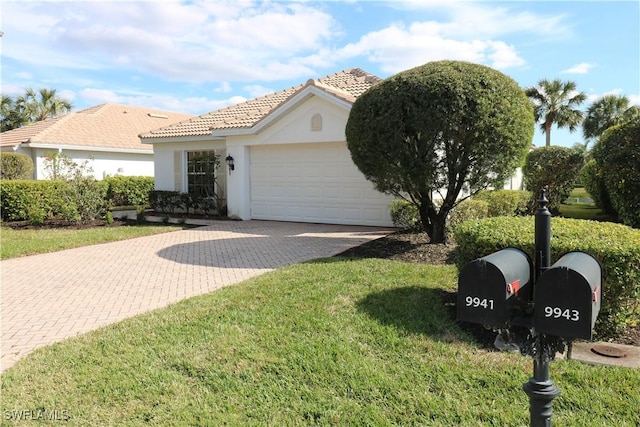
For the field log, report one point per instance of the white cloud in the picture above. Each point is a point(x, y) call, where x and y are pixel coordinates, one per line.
point(256, 91)
point(581, 68)
point(397, 48)
point(194, 42)
point(193, 105)
point(225, 87)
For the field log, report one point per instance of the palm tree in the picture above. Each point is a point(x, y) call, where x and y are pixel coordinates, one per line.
point(555, 102)
point(607, 111)
point(11, 117)
point(43, 104)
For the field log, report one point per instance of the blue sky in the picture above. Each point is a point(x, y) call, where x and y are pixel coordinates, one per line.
point(198, 56)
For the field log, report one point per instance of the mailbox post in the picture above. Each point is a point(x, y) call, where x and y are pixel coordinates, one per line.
point(540, 389)
point(541, 306)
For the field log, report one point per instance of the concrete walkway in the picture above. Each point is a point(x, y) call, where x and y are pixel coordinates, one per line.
point(47, 298)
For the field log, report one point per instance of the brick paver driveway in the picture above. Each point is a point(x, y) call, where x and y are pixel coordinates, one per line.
point(50, 297)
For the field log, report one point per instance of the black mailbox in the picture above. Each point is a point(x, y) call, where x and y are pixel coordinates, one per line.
point(567, 297)
point(492, 290)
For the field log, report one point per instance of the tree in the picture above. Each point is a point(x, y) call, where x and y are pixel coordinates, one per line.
point(610, 110)
point(426, 133)
point(555, 102)
point(12, 117)
point(31, 107)
point(43, 104)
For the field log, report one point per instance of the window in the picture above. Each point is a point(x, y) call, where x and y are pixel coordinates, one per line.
point(201, 168)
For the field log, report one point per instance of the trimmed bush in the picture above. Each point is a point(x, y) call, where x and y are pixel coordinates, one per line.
point(176, 202)
point(616, 246)
point(505, 202)
point(554, 168)
point(35, 201)
point(617, 154)
point(591, 178)
point(129, 190)
point(81, 199)
point(467, 210)
point(165, 201)
point(404, 214)
point(15, 166)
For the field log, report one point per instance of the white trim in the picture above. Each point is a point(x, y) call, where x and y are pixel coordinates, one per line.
point(85, 148)
point(178, 139)
point(282, 110)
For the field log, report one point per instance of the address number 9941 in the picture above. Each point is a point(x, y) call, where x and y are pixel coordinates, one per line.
point(477, 302)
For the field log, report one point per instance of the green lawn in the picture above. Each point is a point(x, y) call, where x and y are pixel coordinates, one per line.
point(15, 243)
point(331, 342)
point(576, 207)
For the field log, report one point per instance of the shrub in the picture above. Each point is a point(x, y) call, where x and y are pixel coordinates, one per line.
point(404, 214)
point(89, 197)
point(467, 210)
point(617, 154)
point(129, 190)
point(554, 168)
point(164, 201)
point(441, 125)
point(141, 217)
point(173, 201)
point(505, 202)
point(616, 246)
point(35, 201)
point(15, 166)
point(108, 218)
point(593, 183)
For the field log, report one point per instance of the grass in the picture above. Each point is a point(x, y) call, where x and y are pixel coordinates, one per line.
point(16, 243)
point(330, 342)
point(574, 207)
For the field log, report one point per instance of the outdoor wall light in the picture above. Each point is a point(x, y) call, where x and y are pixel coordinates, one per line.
point(229, 161)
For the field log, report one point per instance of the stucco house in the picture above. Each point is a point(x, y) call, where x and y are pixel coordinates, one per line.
point(106, 135)
point(289, 154)
point(286, 152)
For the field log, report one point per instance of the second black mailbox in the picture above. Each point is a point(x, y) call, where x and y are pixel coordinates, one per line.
point(493, 289)
point(568, 297)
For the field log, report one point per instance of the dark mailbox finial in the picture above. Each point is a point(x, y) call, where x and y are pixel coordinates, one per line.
point(543, 201)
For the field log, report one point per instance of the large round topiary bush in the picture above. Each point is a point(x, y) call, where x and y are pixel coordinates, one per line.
point(427, 133)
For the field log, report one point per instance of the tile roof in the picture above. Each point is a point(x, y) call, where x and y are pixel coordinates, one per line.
point(346, 85)
point(111, 126)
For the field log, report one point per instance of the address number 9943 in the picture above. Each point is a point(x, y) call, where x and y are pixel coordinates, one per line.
point(557, 313)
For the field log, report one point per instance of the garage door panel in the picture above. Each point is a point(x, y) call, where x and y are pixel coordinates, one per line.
point(313, 183)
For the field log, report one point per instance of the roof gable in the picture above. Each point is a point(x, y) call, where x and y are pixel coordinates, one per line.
point(106, 126)
point(346, 85)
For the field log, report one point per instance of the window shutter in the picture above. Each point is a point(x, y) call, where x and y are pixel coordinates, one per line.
point(177, 170)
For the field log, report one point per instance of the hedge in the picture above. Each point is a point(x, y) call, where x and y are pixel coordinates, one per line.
point(617, 248)
point(505, 202)
point(129, 190)
point(35, 201)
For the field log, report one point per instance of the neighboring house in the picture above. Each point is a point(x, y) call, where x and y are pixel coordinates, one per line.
point(106, 135)
point(289, 153)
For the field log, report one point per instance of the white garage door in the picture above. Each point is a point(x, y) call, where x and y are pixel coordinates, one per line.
point(313, 183)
